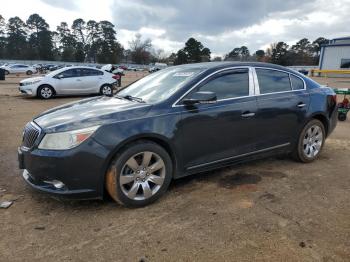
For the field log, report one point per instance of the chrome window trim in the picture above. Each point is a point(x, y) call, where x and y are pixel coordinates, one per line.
point(254, 88)
point(251, 85)
point(283, 71)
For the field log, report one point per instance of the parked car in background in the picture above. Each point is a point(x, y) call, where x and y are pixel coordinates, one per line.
point(53, 68)
point(19, 68)
point(4, 65)
point(176, 122)
point(156, 67)
point(123, 67)
point(69, 81)
point(47, 66)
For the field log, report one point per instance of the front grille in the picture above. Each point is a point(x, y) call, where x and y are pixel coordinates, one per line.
point(21, 84)
point(30, 134)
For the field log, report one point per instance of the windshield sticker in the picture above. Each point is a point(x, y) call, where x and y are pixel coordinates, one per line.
point(184, 74)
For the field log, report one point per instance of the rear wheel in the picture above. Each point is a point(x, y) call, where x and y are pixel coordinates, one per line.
point(341, 116)
point(310, 142)
point(106, 90)
point(45, 92)
point(6, 72)
point(139, 175)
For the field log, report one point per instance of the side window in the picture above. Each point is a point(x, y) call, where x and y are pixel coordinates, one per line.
point(91, 72)
point(271, 81)
point(70, 73)
point(229, 84)
point(297, 83)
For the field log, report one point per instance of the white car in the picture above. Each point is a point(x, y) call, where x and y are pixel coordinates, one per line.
point(19, 68)
point(69, 81)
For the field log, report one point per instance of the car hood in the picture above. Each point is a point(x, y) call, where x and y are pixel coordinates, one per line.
point(32, 79)
point(90, 112)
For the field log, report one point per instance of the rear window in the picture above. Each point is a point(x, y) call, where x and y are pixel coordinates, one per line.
point(272, 81)
point(90, 72)
point(297, 83)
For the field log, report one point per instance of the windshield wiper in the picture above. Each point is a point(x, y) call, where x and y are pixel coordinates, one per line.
point(134, 98)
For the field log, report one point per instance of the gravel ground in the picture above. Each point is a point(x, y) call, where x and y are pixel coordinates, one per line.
point(268, 210)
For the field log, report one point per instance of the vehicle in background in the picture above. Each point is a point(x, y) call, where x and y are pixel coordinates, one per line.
point(69, 81)
point(4, 65)
point(123, 67)
point(56, 67)
point(47, 66)
point(304, 72)
point(156, 67)
point(176, 122)
point(19, 68)
point(132, 68)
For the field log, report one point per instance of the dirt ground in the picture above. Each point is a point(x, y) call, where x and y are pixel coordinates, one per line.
point(268, 210)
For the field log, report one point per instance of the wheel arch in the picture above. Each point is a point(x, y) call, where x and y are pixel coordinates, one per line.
point(42, 85)
point(155, 138)
point(324, 120)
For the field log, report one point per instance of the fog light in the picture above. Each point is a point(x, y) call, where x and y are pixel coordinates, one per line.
point(56, 183)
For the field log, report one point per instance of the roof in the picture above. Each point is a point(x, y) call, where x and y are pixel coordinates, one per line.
point(219, 65)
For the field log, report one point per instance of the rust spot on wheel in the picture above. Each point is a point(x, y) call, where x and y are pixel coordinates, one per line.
point(111, 184)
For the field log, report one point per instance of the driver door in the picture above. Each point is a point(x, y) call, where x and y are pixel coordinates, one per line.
point(225, 129)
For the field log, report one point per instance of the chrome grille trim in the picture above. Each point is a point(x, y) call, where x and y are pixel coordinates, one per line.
point(31, 133)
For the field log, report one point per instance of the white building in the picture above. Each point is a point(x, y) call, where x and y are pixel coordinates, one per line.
point(335, 54)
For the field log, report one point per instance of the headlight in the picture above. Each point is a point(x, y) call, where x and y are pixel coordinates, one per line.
point(66, 140)
point(30, 83)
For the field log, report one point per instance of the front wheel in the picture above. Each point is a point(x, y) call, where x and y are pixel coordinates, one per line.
point(7, 72)
point(45, 92)
point(29, 72)
point(106, 90)
point(311, 141)
point(139, 175)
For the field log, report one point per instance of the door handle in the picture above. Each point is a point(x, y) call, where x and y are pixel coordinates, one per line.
point(79, 80)
point(248, 114)
point(301, 105)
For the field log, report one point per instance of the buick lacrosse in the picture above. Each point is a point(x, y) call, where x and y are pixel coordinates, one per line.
point(173, 123)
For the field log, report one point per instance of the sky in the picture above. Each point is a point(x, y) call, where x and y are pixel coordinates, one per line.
point(220, 25)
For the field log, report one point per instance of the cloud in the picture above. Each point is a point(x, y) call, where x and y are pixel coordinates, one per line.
point(224, 24)
point(64, 4)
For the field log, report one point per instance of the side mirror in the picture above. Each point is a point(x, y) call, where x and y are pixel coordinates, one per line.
point(60, 76)
point(204, 97)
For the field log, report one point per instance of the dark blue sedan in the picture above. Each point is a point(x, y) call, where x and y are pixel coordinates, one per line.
point(176, 122)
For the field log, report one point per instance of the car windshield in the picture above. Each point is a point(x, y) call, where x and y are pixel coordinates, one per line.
point(160, 85)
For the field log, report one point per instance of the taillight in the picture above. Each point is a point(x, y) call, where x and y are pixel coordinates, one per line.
point(334, 98)
point(116, 77)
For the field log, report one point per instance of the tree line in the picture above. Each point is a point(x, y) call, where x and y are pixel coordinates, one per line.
point(96, 41)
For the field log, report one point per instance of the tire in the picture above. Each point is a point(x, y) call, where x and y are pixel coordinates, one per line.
point(310, 142)
point(129, 184)
point(45, 92)
point(7, 72)
point(29, 72)
point(341, 116)
point(106, 90)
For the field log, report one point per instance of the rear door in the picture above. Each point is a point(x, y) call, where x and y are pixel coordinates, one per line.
point(282, 107)
point(90, 80)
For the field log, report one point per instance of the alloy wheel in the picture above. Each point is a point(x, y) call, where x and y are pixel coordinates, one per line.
point(142, 175)
point(106, 90)
point(46, 92)
point(312, 142)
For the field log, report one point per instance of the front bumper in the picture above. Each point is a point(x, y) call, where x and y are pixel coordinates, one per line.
point(81, 170)
point(30, 91)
